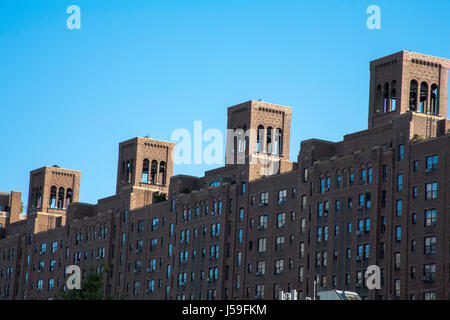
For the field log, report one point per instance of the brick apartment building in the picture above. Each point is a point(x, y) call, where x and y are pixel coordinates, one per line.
point(244, 231)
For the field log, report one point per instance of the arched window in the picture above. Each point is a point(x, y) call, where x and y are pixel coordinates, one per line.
point(434, 99)
point(259, 134)
point(153, 172)
point(386, 97)
point(68, 197)
point(393, 95)
point(127, 171)
point(413, 95)
point(162, 172)
point(378, 100)
point(52, 202)
point(245, 139)
point(40, 197)
point(145, 168)
point(60, 203)
point(240, 140)
point(423, 97)
point(122, 173)
point(269, 140)
point(33, 198)
point(131, 170)
point(278, 142)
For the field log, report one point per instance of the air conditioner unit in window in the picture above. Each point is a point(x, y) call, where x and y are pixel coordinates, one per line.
point(359, 232)
point(358, 258)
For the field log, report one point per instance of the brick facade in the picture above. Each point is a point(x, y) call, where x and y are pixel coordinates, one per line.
point(380, 196)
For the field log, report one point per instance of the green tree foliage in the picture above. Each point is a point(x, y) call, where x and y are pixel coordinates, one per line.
point(92, 288)
point(159, 197)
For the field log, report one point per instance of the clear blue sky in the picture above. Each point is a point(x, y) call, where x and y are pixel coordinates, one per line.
point(68, 97)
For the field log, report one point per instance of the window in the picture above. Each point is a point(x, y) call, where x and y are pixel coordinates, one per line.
point(369, 175)
point(413, 89)
point(145, 169)
point(368, 200)
point(430, 217)
point(54, 246)
point(241, 214)
point(361, 201)
point(264, 198)
point(259, 291)
point(302, 249)
point(279, 266)
point(262, 222)
point(415, 165)
point(321, 185)
point(414, 192)
point(319, 234)
point(366, 251)
point(430, 245)
point(43, 248)
point(260, 133)
point(399, 182)
point(302, 225)
point(397, 260)
point(367, 225)
point(413, 218)
point(431, 191)
point(399, 208)
point(434, 100)
point(429, 295)
point(326, 208)
point(155, 223)
point(281, 220)
point(398, 233)
point(401, 152)
point(281, 196)
point(320, 209)
point(262, 245)
point(153, 172)
point(431, 163)
point(363, 176)
point(261, 268)
point(397, 287)
point(338, 182)
point(303, 204)
point(52, 203)
point(385, 173)
point(279, 243)
point(240, 235)
point(429, 272)
point(423, 101)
